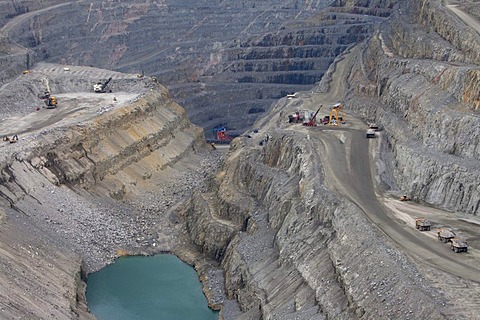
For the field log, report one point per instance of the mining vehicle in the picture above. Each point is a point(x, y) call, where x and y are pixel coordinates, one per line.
point(311, 122)
point(370, 133)
point(337, 115)
point(292, 96)
point(46, 96)
point(422, 224)
point(50, 101)
point(445, 235)
point(459, 245)
point(405, 198)
point(14, 139)
point(326, 120)
point(298, 116)
point(221, 136)
point(101, 87)
point(373, 126)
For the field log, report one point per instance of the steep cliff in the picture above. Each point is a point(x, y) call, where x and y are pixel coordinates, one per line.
point(296, 218)
point(308, 244)
point(299, 250)
point(87, 181)
point(418, 78)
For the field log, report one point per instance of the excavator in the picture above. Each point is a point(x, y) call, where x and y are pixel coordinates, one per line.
point(101, 87)
point(46, 96)
point(337, 115)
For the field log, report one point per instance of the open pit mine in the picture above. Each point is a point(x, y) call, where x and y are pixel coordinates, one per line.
point(351, 189)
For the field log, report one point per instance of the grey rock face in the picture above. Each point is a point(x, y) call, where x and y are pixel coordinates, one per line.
point(420, 84)
point(225, 61)
point(303, 252)
point(69, 205)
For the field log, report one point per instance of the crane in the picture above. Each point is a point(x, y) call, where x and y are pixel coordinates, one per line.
point(337, 115)
point(311, 123)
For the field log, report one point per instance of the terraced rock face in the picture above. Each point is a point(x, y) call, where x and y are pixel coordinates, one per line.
point(66, 182)
point(421, 84)
point(225, 61)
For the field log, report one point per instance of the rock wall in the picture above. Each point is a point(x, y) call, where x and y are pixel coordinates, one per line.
point(302, 252)
point(40, 278)
point(419, 83)
point(75, 194)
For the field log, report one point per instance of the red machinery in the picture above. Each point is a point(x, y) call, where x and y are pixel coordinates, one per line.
point(312, 123)
point(221, 134)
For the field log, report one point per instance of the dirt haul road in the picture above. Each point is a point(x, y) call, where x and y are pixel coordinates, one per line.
point(468, 19)
point(349, 165)
point(348, 170)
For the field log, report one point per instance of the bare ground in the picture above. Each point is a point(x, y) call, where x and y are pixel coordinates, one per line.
point(351, 162)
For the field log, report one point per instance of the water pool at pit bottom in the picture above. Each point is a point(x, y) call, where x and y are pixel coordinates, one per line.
point(160, 287)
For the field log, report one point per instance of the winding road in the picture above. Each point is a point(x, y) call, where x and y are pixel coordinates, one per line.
point(468, 19)
point(348, 168)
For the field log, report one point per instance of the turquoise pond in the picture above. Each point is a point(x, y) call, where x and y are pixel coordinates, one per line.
point(160, 287)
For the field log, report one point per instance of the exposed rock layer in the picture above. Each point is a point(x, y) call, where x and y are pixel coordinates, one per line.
point(225, 61)
point(60, 188)
point(295, 256)
point(425, 95)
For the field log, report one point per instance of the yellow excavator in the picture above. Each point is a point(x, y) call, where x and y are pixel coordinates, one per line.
point(50, 101)
point(337, 115)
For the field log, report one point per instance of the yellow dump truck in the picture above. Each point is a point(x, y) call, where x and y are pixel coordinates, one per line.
point(445, 235)
point(423, 224)
point(459, 245)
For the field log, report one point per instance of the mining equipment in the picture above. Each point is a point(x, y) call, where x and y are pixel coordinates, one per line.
point(445, 235)
point(337, 115)
point(422, 224)
point(297, 117)
point(405, 198)
point(14, 139)
point(101, 87)
point(458, 245)
point(370, 133)
point(373, 126)
point(221, 135)
point(326, 120)
point(46, 96)
point(311, 122)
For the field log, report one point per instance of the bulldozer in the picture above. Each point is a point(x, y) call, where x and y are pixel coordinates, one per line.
point(459, 245)
point(445, 235)
point(101, 87)
point(423, 224)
